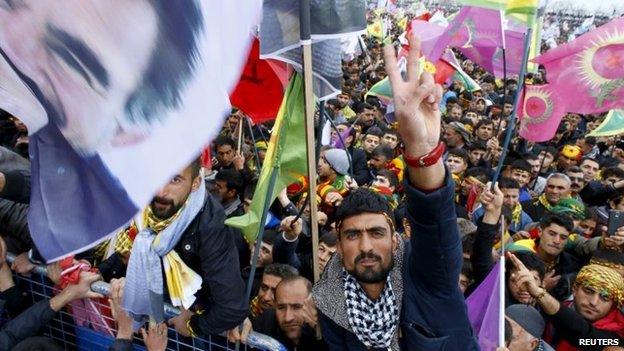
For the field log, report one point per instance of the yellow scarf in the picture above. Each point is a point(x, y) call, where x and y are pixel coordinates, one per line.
point(542, 200)
point(182, 281)
point(516, 214)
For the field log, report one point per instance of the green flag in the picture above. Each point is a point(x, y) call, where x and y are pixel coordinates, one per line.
point(286, 155)
point(612, 125)
point(382, 90)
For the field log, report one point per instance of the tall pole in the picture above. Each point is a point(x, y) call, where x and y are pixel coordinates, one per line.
point(512, 118)
point(306, 45)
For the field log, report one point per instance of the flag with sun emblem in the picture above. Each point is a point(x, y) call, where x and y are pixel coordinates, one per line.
point(588, 72)
point(540, 113)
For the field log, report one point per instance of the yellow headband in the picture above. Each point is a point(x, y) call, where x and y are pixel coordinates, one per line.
point(606, 280)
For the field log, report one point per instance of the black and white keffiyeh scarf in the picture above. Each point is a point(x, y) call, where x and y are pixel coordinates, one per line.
point(373, 322)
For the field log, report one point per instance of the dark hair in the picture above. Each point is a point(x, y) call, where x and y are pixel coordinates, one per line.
point(485, 122)
point(590, 140)
point(391, 176)
point(390, 131)
point(224, 140)
point(269, 236)
point(451, 100)
point(329, 238)
point(555, 218)
point(333, 102)
point(232, 178)
point(613, 172)
point(477, 145)
point(290, 280)
point(374, 130)
point(365, 105)
point(521, 165)
point(508, 100)
point(195, 167)
point(530, 157)
point(608, 256)
point(281, 270)
point(459, 152)
point(530, 260)
point(508, 183)
point(467, 269)
point(589, 159)
point(574, 169)
point(172, 63)
point(383, 150)
point(482, 174)
point(362, 200)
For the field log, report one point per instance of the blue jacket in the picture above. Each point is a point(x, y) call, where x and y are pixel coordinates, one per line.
point(425, 278)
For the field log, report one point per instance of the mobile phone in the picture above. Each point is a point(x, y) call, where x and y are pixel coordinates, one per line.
point(616, 220)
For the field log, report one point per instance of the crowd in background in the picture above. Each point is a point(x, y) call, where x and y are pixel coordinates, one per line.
point(550, 208)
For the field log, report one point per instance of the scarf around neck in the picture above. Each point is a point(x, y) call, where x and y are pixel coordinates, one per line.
point(373, 322)
point(153, 249)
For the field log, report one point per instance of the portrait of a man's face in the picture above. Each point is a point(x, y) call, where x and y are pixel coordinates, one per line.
point(105, 71)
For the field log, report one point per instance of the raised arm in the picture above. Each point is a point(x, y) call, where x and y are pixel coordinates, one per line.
point(435, 260)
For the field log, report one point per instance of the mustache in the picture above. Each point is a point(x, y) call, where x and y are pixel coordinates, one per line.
point(163, 200)
point(365, 255)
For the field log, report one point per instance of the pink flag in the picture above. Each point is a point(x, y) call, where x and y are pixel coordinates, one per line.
point(540, 112)
point(491, 58)
point(471, 27)
point(588, 72)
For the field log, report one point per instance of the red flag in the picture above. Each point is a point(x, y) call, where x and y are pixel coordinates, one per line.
point(261, 87)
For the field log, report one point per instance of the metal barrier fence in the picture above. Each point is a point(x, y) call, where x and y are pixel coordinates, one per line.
point(71, 336)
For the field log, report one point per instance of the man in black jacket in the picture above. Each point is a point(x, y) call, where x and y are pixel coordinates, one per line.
point(293, 320)
point(206, 246)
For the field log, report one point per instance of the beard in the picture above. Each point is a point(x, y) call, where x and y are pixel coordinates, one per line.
point(166, 212)
point(369, 275)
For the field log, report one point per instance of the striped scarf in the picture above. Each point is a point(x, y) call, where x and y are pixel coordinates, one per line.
point(152, 252)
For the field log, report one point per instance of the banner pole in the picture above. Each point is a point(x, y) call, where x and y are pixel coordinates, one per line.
point(306, 44)
point(512, 119)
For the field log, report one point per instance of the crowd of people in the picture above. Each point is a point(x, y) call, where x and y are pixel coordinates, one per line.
point(409, 225)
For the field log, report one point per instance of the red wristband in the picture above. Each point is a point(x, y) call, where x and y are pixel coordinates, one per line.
point(426, 160)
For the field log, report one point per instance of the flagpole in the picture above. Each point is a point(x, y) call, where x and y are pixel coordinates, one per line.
point(306, 44)
point(500, 120)
point(255, 149)
point(512, 120)
point(239, 142)
point(258, 245)
point(501, 289)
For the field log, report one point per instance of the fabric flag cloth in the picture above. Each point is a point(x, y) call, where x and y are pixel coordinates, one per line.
point(467, 29)
point(483, 307)
point(375, 29)
point(261, 87)
point(588, 73)
point(114, 118)
point(330, 21)
point(286, 155)
point(612, 125)
point(460, 76)
point(540, 111)
point(491, 57)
